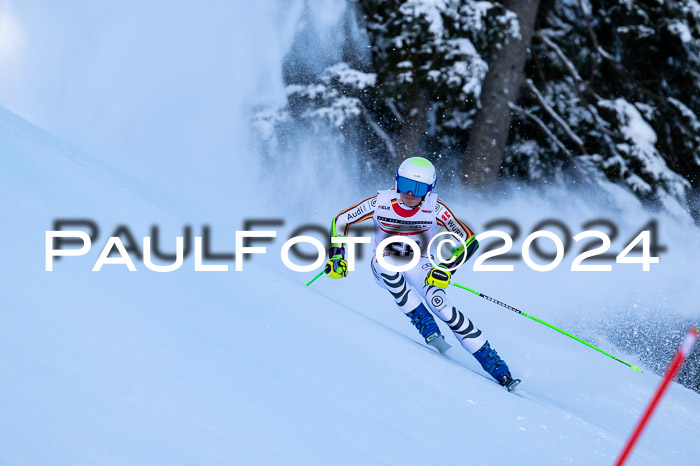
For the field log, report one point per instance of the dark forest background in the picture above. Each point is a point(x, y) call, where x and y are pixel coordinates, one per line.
point(584, 91)
point(591, 92)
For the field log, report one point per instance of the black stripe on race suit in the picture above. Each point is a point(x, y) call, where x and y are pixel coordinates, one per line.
point(455, 314)
point(472, 335)
point(376, 274)
point(468, 330)
point(455, 327)
point(460, 320)
point(403, 300)
point(390, 277)
point(400, 296)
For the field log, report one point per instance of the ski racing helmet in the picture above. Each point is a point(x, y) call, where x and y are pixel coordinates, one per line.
point(416, 175)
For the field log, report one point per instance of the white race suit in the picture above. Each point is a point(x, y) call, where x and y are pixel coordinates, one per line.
point(392, 218)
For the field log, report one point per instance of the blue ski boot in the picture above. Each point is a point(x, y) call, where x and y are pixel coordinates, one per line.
point(497, 367)
point(423, 320)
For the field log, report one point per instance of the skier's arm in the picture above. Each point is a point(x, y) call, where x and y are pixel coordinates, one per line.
point(336, 267)
point(356, 213)
point(446, 219)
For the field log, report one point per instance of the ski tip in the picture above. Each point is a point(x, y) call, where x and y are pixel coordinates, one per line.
point(440, 344)
point(510, 386)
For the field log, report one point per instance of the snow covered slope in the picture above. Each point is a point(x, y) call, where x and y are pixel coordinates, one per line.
point(253, 367)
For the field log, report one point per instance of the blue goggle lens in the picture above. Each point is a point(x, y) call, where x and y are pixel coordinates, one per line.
point(404, 185)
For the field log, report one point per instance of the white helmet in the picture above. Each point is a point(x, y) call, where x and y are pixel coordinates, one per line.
point(416, 175)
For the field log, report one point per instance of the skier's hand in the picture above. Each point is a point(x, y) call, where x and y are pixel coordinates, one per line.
point(336, 266)
point(438, 276)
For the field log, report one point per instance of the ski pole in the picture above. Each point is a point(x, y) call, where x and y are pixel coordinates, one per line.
point(314, 279)
point(518, 311)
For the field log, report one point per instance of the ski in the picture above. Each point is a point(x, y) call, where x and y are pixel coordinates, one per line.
point(511, 384)
point(438, 342)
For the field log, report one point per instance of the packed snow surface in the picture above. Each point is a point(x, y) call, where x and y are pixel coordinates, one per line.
point(253, 367)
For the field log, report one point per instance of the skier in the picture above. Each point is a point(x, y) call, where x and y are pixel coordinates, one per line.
point(412, 209)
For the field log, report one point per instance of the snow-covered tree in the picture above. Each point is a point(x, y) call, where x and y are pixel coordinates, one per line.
point(418, 88)
point(614, 90)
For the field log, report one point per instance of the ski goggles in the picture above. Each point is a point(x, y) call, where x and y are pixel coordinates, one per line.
point(404, 185)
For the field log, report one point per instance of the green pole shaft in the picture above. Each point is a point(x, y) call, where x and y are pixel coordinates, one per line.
point(580, 341)
point(518, 311)
point(314, 279)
